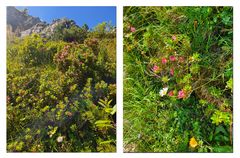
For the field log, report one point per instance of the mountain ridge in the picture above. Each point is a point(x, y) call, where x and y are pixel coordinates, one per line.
point(24, 24)
point(20, 20)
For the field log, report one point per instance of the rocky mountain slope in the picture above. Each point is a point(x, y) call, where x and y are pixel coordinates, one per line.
point(47, 30)
point(26, 24)
point(20, 19)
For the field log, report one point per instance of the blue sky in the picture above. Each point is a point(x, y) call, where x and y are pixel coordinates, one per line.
point(89, 15)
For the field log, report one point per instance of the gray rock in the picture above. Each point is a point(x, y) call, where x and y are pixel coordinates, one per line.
point(50, 29)
point(20, 19)
point(47, 30)
point(38, 28)
point(24, 24)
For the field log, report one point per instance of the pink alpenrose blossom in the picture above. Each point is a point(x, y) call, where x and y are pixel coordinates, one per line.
point(172, 58)
point(174, 37)
point(132, 29)
point(164, 60)
point(155, 68)
point(170, 93)
point(181, 94)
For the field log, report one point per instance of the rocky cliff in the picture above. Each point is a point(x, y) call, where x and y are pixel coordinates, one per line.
point(20, 19)
point(27, 24)
point(47, 30)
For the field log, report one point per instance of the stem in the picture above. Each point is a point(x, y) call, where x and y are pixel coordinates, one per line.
point(207, 82)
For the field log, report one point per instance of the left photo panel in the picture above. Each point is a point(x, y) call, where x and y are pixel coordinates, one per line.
point(61, 79)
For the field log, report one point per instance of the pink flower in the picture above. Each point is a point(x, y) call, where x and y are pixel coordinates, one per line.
point(170, 93)
point(181, 59)
point(164, 60)
point(172, 58)
point(132, 29)
point(172, 71)
point(155, 68)
point(181, 94)
point(174, 38)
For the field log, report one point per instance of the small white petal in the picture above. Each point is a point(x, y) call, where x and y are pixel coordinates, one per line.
point(163, 91)
point(60, 139)
point(139, 136)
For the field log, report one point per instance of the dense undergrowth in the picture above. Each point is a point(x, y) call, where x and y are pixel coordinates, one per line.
point(61, 91)
point(178, 72)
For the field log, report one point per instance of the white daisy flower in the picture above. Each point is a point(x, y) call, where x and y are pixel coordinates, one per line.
point(163, 91)
point(60, 139)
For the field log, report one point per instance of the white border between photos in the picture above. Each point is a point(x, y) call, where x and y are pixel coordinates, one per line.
point(119, 4)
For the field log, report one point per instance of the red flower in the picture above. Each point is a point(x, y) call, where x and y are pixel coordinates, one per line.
point(170, 93)
point(181, 94)
point(172, 71)
point(172, 58)
point(174, 38)
point(164, 60)
point(155, 68)
point(132, 29)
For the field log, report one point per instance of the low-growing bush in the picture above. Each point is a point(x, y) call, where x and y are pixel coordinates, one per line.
point(61, 96)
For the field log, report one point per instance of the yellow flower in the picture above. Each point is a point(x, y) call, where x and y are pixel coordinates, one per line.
point(193, 143)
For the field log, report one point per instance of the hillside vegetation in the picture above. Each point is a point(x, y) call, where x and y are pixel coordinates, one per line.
point(61, 90)
point(178, 79)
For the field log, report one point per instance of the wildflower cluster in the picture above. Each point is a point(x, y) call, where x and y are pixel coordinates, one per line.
point(169, 67)
point(63, 54)
point(178, 79)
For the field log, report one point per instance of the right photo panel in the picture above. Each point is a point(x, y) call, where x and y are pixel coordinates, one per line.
point(178, 79)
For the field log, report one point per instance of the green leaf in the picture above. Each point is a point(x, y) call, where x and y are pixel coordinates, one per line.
point(220, 129)
point(165, 79)
point(194, 69)
point(102, 104)
point(223, 149)
point(106, 142)
point(230, 84)
point(108, 110)
point(114, 109)
point(102, 122)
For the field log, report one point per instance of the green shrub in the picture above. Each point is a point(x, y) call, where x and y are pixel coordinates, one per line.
point(58, 92)
point(70, 32)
